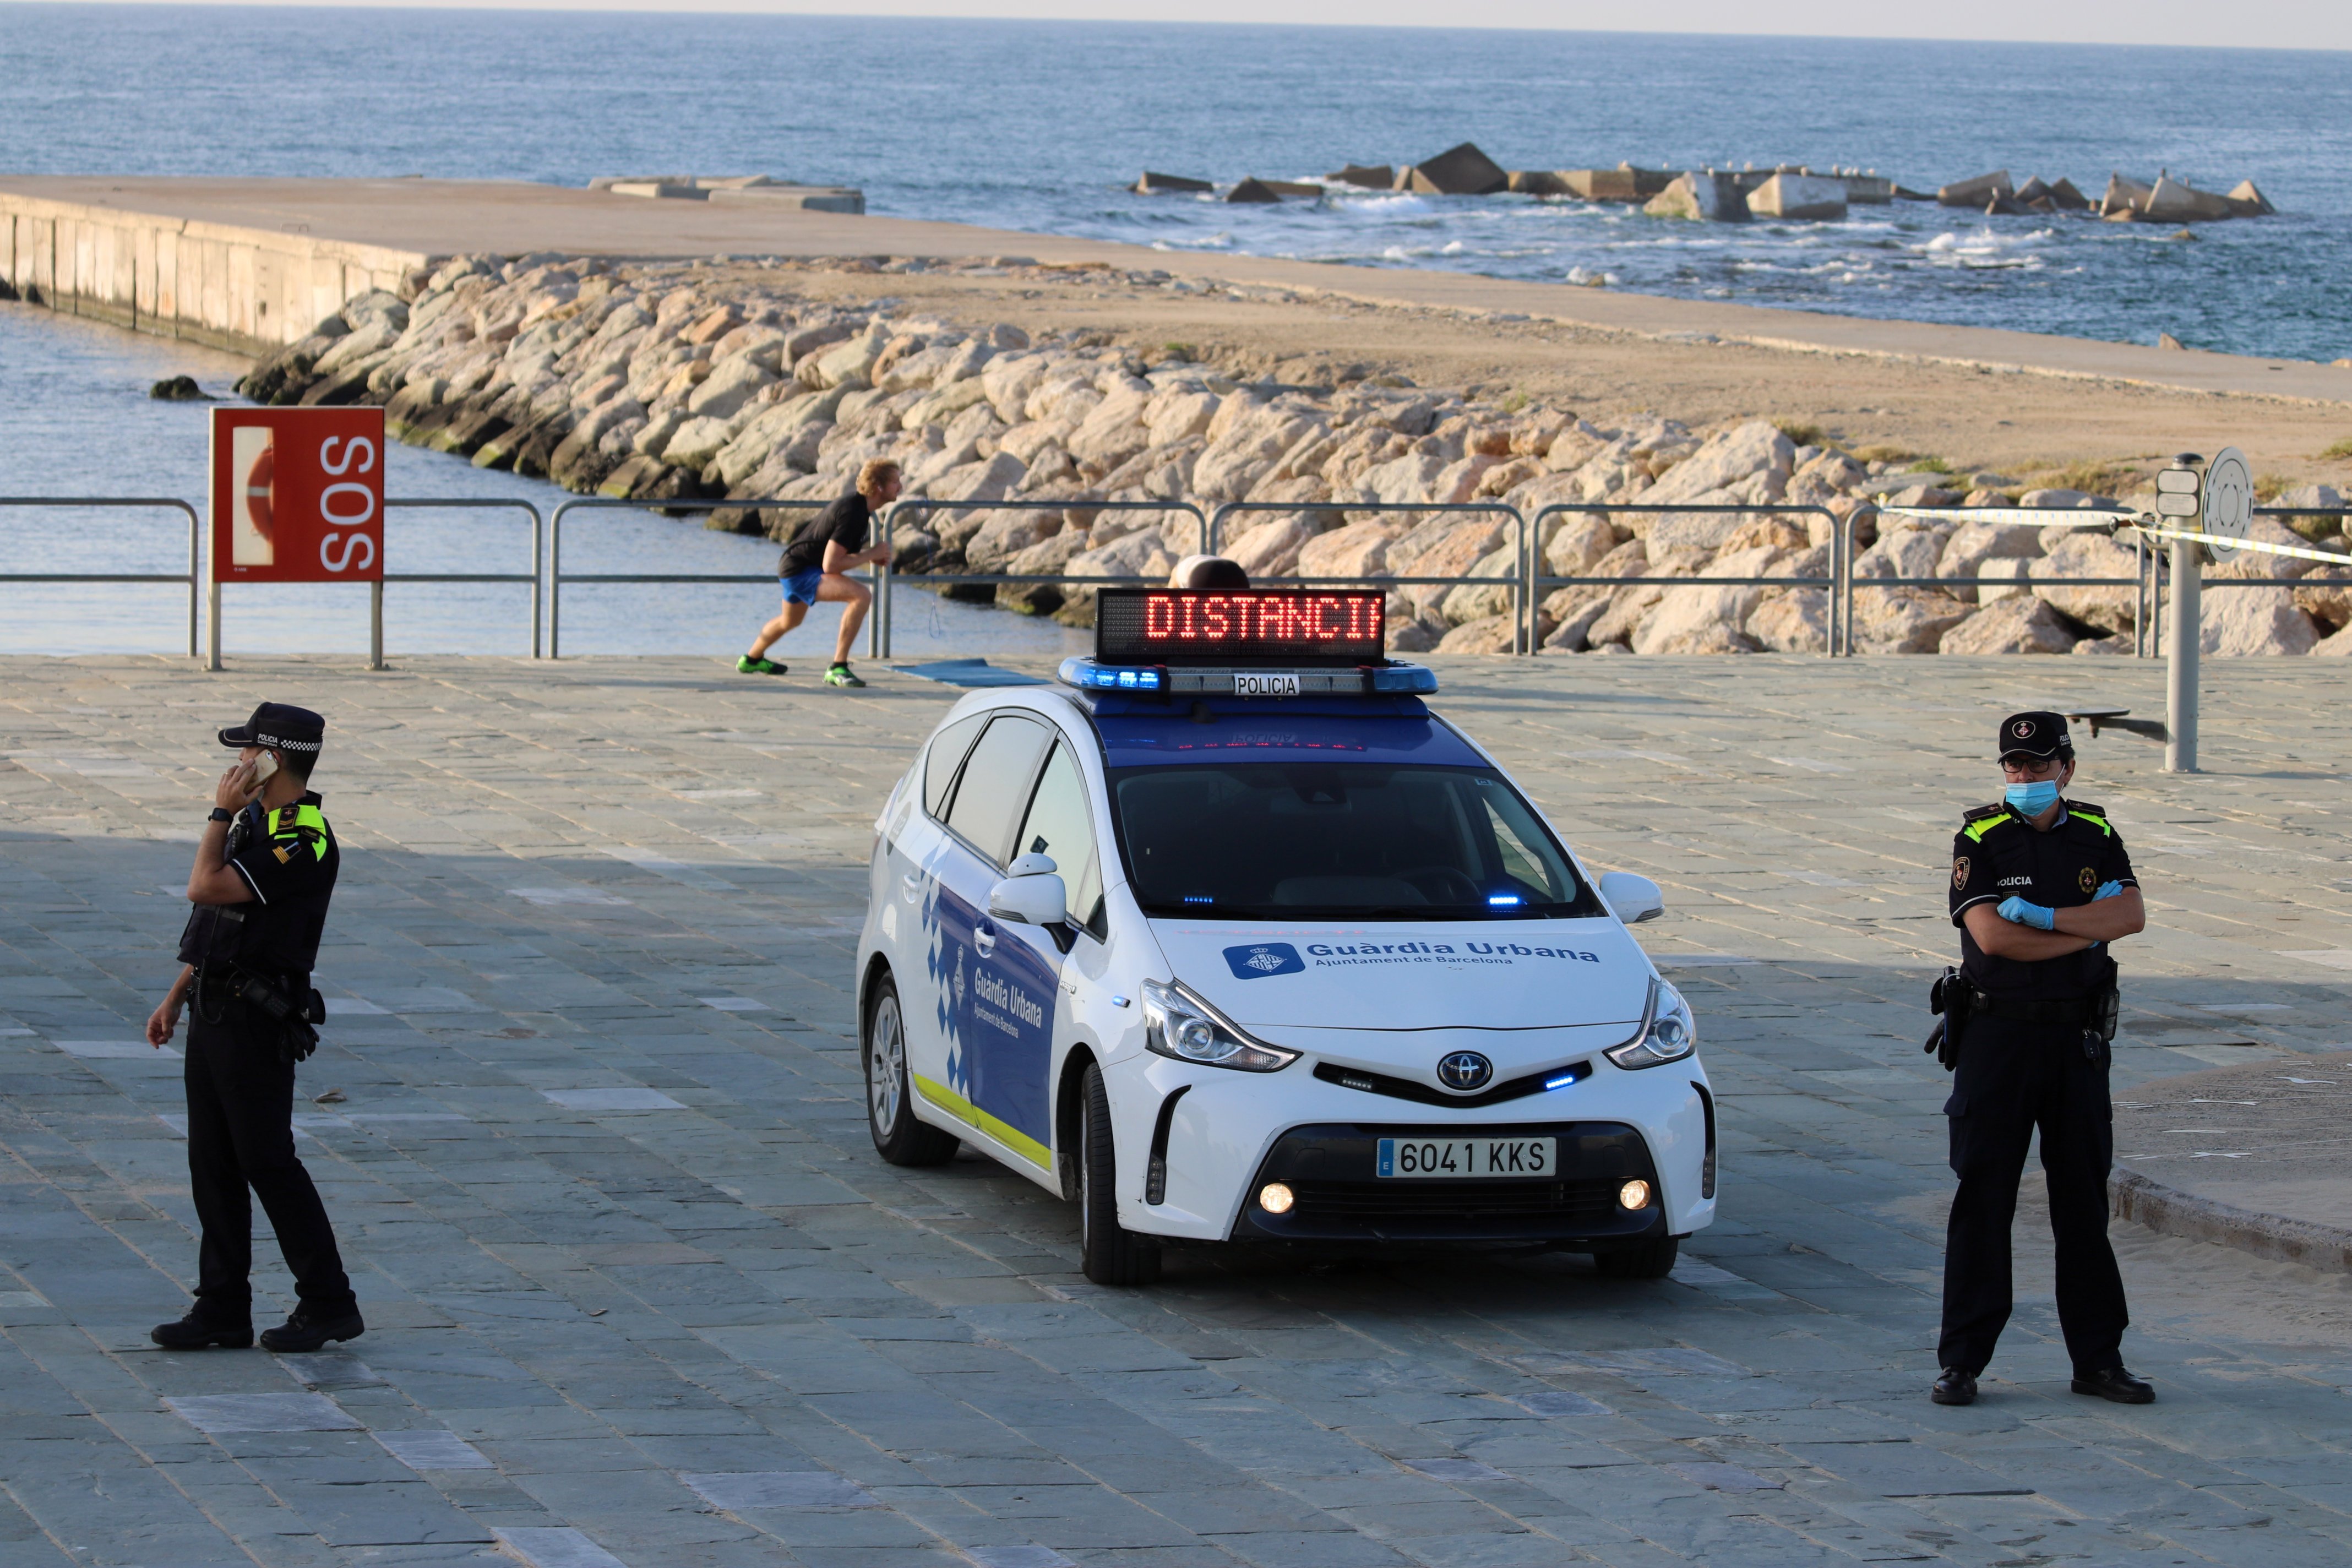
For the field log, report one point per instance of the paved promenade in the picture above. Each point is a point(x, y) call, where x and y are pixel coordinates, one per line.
point(640, 1292)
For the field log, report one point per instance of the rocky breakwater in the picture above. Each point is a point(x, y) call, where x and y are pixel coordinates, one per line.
point(666, 383)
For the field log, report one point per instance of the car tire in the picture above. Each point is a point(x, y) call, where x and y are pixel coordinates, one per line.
point(1644, 1260)
point(898, 1136)
point(1111, 1254)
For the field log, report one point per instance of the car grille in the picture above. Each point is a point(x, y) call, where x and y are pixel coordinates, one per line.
point(1376, 1201)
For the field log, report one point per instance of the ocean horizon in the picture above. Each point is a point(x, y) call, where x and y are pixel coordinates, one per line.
point(1041, 126)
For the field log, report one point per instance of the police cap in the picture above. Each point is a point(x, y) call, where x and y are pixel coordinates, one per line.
point(281, 726)
point(2036, 734)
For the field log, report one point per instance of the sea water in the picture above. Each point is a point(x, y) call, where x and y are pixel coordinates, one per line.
point(1041, 126)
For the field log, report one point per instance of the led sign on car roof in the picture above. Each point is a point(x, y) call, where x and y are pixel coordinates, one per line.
point(1256, 626)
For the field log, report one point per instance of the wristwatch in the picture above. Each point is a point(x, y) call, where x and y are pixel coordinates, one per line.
point(221, 814)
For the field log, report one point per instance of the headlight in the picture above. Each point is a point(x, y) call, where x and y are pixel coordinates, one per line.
point(1669, 1036)
point(1178, 1024)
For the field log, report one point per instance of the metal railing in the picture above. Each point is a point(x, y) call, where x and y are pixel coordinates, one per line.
point(533, 577)
point(557, 576)
point(1521, 598)
point(1839, 582)
point(193, 577)
point(877, 631)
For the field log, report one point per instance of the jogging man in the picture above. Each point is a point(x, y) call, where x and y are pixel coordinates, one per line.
point(815, 569)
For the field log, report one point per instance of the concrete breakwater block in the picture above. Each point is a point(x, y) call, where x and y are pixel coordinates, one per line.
point(763, 189)
point(800, 198)
point(1155, 184)
point(1706, 195)
point(1812, 197)
point(1462, 171)
point(1254, 192)
point(1368, 176)
point(1976, 191)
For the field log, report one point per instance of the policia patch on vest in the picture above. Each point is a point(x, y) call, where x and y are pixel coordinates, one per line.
point(1996, 854)
point(290, 860)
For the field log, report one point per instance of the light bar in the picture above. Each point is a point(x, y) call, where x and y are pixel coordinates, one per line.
point(1089, 673)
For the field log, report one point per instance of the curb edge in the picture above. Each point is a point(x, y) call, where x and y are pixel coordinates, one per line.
point(2171, 1212)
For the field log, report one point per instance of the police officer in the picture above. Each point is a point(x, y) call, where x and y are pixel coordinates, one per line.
point(263, 872)
point(2040, 885)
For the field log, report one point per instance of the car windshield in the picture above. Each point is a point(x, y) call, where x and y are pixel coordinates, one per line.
point(1339, 841)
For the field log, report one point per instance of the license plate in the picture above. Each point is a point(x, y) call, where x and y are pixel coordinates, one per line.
point(1424, 1158)
point(1265, 683)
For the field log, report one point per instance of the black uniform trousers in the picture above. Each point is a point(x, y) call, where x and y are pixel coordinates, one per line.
point(2012, 1078)
point(241, 1136)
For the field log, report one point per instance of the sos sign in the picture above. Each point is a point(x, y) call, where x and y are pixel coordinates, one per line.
point(298, 495)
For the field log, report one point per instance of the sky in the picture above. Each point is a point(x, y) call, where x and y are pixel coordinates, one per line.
point(2253, 23)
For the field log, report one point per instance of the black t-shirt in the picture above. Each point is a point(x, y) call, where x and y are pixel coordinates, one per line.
point(843, 522)
point(1997, 855)
point(290, 860)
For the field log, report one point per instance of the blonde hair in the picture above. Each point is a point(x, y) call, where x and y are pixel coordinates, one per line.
point(871, 476)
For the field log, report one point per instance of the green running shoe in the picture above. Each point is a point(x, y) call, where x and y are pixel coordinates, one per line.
point(841, 675)
point(747, 665)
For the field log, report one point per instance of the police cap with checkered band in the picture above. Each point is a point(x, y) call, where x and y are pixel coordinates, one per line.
point(281, 726)
point(2036, 734)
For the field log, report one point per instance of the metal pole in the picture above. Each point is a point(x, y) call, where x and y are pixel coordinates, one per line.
point(195, 574)
point(211, 628)
point(555, 582)
point(2180, 683)
point(538, 585)
point(375, 624)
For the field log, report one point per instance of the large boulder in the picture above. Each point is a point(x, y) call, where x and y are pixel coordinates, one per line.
point(1493, 634)
point(1006, 534)
point(1142, 554)
point(730, 384)
point(1115, 430)
point(1578, 544)
point(1724, 460)
point(2081, 553)
point(1462, 171)
point(1178, 414)
point(1478, 601)
point(1904, 620)
point(2012, 626)
point(1447, 546)
point(1973, 545)
point(1405, 481)
point(847, 364)
point(1709, 620)
point(1272, 549)
point(1247, 448)
point(1358, 550)
point(1902, 553)
point(1791, 620)
point(2247, 621)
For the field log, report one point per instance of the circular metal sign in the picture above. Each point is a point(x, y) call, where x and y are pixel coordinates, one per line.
point(2229, 499)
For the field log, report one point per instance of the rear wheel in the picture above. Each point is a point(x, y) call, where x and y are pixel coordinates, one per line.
point(898, 1136)
point(1644, 1260)
point(1113, 1255)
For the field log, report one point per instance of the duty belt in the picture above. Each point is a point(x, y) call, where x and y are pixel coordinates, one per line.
point(2034, 1009)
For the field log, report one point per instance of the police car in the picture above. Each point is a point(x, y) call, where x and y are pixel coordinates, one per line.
point(1228, 937)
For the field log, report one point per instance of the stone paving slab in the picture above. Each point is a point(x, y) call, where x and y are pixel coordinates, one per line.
point(639, 1291)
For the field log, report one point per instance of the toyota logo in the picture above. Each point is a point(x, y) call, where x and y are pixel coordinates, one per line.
point(1465, 1070)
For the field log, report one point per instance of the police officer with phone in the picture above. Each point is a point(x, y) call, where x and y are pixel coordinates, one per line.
point(264, 873)
point(2041, 886)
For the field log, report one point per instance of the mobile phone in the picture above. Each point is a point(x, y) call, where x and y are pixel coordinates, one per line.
point(263, 766)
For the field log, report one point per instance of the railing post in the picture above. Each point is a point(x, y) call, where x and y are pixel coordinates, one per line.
point(211, 626)
point(2181, 680)
point(196, 571)
point(375, 624)
point(555, 582)
point(537, 584)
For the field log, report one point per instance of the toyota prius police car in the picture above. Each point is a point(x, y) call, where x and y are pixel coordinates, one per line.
point(1228, 937)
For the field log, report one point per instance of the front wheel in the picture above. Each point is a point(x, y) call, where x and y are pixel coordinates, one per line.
point(898, 1136)
point(1112, 1255)
point(1644, 1260)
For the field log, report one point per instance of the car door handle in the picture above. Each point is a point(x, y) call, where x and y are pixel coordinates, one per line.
point(983, 940)
point(911, 887)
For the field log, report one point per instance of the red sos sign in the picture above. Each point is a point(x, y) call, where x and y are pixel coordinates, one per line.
point(298, 495)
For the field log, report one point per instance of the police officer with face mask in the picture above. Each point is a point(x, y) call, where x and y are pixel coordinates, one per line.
point(264, 871)
point(2040, 885)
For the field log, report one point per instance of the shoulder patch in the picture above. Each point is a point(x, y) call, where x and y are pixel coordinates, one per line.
point(1979, 825)
point(2091, 815)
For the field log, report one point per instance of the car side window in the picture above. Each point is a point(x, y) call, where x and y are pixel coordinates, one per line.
point(996, 782)
point(940, 765)
point(1059, 825)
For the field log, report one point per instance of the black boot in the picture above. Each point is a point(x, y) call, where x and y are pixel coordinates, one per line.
point(195, 1333)
point(303, 1331)
point(2116, 1384)
point(1954, 1387)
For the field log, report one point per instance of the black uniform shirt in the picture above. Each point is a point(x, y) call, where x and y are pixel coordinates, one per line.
point(290, 860)
point(843, 522)
point(1996, 854)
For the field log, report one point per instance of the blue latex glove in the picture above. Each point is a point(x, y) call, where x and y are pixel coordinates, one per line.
point(2106, 890)
point(2038, 916)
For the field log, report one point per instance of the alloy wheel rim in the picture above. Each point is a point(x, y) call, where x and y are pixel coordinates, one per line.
point(885, 1067)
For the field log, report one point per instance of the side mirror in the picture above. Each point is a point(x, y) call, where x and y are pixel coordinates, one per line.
point(1631, 899)
point(1037, 898)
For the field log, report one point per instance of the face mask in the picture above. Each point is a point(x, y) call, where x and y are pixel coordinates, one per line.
point(2032, 799)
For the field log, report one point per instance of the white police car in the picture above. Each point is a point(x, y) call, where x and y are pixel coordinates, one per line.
point(1227, 937)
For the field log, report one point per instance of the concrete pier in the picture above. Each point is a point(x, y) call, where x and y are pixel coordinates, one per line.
point(251, 264)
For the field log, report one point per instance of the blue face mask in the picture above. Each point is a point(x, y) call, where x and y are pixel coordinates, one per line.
point(2032, 799)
